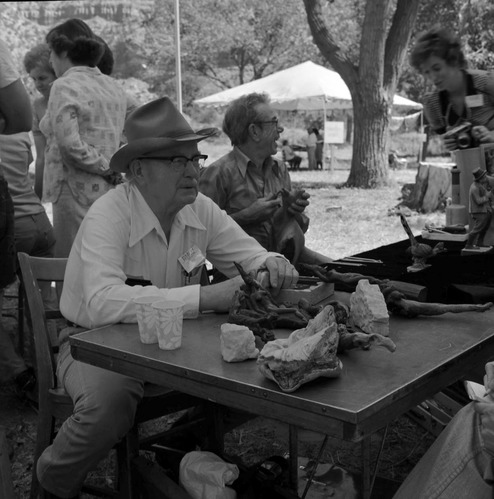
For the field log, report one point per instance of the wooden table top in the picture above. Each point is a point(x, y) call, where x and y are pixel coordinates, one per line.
point(374, 388)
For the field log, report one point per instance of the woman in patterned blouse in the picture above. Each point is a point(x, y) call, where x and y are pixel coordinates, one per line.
point(460, 95)
point(83, 126)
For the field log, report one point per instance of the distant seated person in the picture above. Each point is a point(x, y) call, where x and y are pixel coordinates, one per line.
point(460, 463)
point(250, 184)
point(289, 156)
point(396, 163)
point(143, 229)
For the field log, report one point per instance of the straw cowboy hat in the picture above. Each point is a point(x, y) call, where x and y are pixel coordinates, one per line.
point(151, 129)
point(479, 174)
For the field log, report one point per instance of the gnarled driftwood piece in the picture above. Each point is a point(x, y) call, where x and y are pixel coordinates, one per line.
point(310, 352)
point(288, 236)
point(396, 301)
point(254, 307)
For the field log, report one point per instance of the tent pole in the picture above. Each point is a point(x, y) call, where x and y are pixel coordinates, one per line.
point(178, 69)
point(330, 167)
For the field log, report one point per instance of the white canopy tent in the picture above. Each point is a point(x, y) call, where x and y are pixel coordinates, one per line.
point(306, 86)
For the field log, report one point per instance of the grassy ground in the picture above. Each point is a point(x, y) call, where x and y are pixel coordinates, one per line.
point(349, 221)
point(343, 222)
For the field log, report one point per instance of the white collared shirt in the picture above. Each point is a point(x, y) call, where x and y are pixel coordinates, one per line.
point(121, 238)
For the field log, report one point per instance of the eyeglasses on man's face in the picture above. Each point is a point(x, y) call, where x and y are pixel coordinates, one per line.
point(268, 122)
point(179, 163)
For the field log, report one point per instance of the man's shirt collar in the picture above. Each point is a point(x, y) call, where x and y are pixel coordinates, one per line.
point(143, 220)
point(243, 162)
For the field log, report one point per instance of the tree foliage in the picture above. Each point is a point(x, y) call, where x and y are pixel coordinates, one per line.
point(254, 37)
point(476, 29)
point(224, 43)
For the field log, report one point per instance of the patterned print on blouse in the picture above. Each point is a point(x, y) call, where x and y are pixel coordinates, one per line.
point(83, 127)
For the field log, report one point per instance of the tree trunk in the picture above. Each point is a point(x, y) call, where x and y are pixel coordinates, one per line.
point(432, 187)
point(369, 159)
point(371, 80)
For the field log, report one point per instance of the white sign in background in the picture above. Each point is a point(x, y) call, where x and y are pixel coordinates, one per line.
point(334, 132)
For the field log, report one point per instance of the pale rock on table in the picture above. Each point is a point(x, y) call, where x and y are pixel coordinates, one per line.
point(368, 309)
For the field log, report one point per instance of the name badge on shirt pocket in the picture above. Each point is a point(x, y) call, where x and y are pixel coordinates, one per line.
point(192, 261)
point(476, 100)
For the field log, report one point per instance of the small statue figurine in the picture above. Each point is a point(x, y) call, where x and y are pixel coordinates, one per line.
point(420, 251)
point(480, 209)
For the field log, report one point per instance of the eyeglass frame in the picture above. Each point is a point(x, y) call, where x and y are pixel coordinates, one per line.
point(275, 122)
point(176, 165)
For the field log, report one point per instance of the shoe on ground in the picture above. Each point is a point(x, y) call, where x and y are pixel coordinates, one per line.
point(472, 247)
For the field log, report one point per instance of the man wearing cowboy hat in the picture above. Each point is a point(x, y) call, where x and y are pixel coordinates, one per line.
point(480, 209)
point(154, 229)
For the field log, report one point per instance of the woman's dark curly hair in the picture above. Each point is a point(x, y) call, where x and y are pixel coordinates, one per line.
point(440, 43)
point(106, 63)
point(77, 39)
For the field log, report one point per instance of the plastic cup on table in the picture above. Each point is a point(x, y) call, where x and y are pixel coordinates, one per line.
point(169, 320)
point(146, 318)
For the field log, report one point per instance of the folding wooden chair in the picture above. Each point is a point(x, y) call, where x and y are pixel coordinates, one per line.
point(55, 404)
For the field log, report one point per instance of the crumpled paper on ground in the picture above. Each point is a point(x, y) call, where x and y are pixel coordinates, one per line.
point(204, 475)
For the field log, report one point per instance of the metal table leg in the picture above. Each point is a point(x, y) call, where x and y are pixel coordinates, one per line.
point(369, 478)
point(293, 461)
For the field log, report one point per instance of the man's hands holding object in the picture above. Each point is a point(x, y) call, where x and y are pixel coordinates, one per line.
point(299, 205)
point(277, 274)
point(264, 208)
